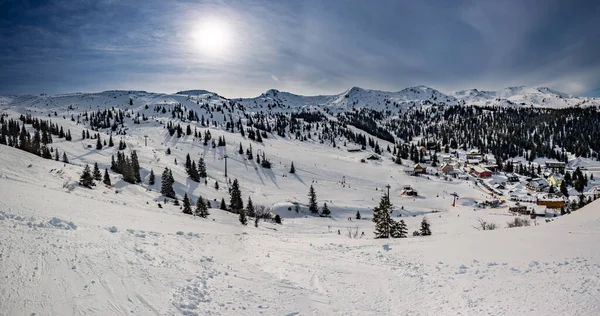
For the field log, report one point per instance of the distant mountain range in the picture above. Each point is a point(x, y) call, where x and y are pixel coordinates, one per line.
point(354, 97)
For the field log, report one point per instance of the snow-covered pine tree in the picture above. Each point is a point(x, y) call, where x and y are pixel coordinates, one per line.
point(292, 168)
point(64, 158)
point(110, 141)
point(312, 202)
point(187, 208)
point(202, 208)
point(425, 227)
point(188, 163)
point(398, 229)
point(325, 211)
point(86, 179)
point(97, 174)
point(223, 206)
point(382, 219)
point(106, 179)
point(250, 208)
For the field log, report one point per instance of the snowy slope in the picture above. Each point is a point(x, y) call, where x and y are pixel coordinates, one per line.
point(523, 96)
point(73, 251)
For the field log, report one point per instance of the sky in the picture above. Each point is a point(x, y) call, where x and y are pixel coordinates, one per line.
point(241, 48)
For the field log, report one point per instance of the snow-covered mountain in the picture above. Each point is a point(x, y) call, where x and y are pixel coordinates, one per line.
point(523, 96)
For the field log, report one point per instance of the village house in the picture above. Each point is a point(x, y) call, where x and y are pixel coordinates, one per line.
point(552, 202)
point(556, 166)
point(446, 168)
point(555, 180)
point(418, 169)
point(481, 172)
point(512, 178)
point(537, 184)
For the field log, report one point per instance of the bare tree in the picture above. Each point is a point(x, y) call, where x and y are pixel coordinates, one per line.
point(353, 232)
point(483, 225)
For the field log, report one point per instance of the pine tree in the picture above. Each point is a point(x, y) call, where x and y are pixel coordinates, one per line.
point(135, 167)
point(292, 168)
point(382, 219)
point(563, 188)
point(56, 155)
point(98, 142)
point(187, 208)
point(188, 163)
point(425, 227)
point(236, 202)
point(110, 141)
point(312, 202)
point(202, 168)
point(97, 174)
point(201, 208)
point(106, 177)
point(86, 179)
point(357, 214)
point(399, 229)
point(277, 219)
point(168, 151)
point(151, 177)
point(250, 208)
point(167, 184)
point(325, 211)
point(223, 205)
point(241, 151)
point(243, 218)
point(216, 185)
point(64, 158)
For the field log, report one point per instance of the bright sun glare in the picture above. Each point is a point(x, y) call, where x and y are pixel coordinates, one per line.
point(212, 37)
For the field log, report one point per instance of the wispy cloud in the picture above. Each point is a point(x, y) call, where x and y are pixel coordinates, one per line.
point(307, 46)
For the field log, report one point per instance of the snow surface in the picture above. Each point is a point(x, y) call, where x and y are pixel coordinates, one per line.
point(68, 250)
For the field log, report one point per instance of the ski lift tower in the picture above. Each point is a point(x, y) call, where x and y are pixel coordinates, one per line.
point(454, 201)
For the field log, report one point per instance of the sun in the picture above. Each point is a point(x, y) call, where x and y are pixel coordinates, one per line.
point(212, 37)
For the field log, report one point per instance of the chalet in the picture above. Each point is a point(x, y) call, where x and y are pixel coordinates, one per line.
point(481, 172)
point(537, 184)
point(521, 209)
point(556, 166)
point(492, 167)
point(373, 157)
point(551, 201)
point(512, 178)
point(418, 169)
point(354, 150)
point(594, 192)
point(446, 168)
point(474, 155)
point(555, 179)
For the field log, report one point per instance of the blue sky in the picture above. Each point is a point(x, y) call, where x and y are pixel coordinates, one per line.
point(242, 48)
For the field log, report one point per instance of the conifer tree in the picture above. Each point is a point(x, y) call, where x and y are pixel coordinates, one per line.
point(135, 167)
point(106, 179)
point(201, 208)
point(223, 205)
point(325, 211)
point(312, 202)
point(151, 177)
point(382, 219)
point(250, 208)
point(202, 168)
point(64, 158)
point(187, 208)
point(425, 227)
point(98, 142)
point(241, 150)
point(236, 197)
point(243, 218)
point(292, 168)
point(357, 214)
point(188, 163)
point(277, 219)
point(563, 188)
point(86, 179)
point(110, 141)
point(97, 174)
point(56, 155)
point(398, 229)
point(216, 185)
point(167, 184)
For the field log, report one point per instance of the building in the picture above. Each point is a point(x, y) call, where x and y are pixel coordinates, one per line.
point(538, 184)
point(481, 172)
point(446, 168)
point(555, 180)
point(409, 191)
point(474, 155)
point(512, 178)
point(556, 166)
point(418, 169)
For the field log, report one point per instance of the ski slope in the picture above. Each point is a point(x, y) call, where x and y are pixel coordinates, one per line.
point(67, 250)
